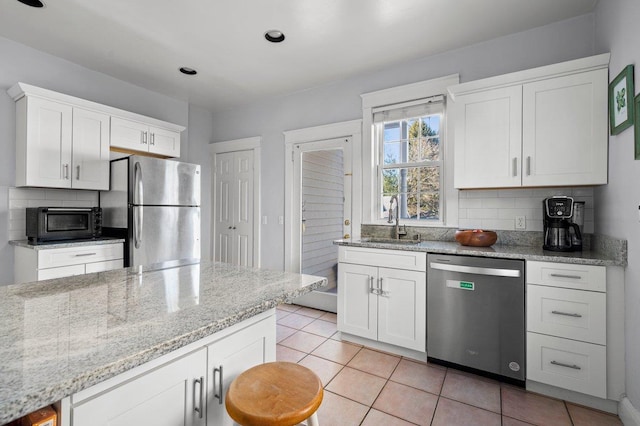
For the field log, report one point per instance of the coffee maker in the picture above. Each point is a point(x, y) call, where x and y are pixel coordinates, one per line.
point(560, 232)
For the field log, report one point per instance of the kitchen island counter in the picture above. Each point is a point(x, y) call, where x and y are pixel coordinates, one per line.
point(60, 336)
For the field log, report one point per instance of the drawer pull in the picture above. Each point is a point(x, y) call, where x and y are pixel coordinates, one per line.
point(575, 367)
point(566, 314)
point(573, 277)
point(85, 254)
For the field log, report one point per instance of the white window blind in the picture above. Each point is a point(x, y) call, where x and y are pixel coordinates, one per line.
point(417, 108)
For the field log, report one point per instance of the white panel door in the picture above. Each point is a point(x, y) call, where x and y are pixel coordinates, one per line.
point(90, 150)
point(167, 396)
point(402, 308)
point(357, 304)
point(49, 139)
point(564, 130)
point(243, 208)
point(234, 197)
point(488, 136)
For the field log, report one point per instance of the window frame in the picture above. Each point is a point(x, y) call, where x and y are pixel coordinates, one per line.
point(379, 137)
point(386, 99)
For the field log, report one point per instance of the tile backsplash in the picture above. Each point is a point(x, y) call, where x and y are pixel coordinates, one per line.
point(21, 198)
point(497, 209)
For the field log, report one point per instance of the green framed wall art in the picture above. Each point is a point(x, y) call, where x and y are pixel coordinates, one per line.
point(621, 101)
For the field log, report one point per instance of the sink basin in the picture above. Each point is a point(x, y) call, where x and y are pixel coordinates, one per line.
point(390, 241)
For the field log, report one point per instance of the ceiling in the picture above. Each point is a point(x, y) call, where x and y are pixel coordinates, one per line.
point(145, 41)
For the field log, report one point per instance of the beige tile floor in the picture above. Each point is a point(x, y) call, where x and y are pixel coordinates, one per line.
point(368, 387)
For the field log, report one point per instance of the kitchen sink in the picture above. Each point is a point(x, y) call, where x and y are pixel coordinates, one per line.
point(391, 241)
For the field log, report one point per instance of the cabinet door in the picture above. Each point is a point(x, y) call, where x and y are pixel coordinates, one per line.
point(357, 304)
point(90, 150)
point(171, 395)
point(564, 137)
point(164, 142)
point(231, 356)
point(48, 145)
point(488, 136)
point(402, 308)
point(127, 134)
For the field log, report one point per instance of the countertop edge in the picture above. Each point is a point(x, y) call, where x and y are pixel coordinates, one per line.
point(66, 244)
point(498, 251)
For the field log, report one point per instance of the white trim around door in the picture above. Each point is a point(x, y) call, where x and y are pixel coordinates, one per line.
point(247, 144)
point(348, 129)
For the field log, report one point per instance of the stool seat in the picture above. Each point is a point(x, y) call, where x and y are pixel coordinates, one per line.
point(274, 394)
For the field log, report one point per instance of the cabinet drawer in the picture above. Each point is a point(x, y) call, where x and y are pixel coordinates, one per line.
point(63, 271)
point(568, 364)
point(574, 314)
point(104, 266)
point(581, 277)
point(411, 260)
point(78, 255)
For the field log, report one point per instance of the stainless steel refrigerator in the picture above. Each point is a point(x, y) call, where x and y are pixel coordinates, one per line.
point(154, 204)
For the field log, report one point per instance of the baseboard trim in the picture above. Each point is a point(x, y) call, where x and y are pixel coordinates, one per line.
point(629, 415)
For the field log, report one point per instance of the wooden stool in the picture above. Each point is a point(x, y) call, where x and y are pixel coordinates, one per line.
point(275, 394)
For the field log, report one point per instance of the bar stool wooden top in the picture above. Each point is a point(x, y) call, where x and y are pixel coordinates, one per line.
point(274, 394)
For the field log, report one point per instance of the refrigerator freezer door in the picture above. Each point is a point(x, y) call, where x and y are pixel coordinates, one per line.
point(156, 182)
point(162, 234)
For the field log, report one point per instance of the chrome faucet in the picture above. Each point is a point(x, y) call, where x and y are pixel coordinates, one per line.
point(397, 232)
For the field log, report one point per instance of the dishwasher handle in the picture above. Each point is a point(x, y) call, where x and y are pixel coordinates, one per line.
point(496, 272)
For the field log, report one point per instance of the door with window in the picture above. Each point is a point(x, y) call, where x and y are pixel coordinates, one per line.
point(234, 208)
point(322, 191)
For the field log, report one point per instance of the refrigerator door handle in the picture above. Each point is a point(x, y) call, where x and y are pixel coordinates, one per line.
point(138, 195)
point(137, 226)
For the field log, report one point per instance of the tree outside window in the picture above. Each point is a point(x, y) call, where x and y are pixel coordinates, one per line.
point(412, 166)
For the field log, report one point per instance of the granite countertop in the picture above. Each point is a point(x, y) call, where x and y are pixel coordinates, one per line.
point(613, 257)
point(65, 244)
point(60, 336)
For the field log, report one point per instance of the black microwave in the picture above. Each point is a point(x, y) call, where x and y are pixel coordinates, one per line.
point(58, 223)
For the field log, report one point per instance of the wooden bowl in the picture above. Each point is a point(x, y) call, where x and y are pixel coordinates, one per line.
point(476, 237)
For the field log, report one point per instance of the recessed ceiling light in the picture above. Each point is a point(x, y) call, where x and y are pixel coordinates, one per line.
point(274, 36)
point(188, 71)
point(32, 3)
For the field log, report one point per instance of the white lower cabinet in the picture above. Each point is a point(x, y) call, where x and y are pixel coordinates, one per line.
point(44, 264)
point(567, 326)
point(170, 395)
point(230, 357)
point(183, 388)
point(380, 303)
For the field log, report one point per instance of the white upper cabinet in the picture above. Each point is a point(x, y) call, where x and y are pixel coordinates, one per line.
point(64, 142)
point(131, 135)
point(541, 127)
point(59, 146)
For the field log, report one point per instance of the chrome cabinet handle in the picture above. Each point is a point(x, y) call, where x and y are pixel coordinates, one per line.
point(198, 408)
point(78, 172)
point(152, 139)
point(85, 254)
point(514, 166)
point(566, 314)
point(573, 277)
point(371, 289)
point(561, 364)
point(142, 137)
point(381, 291)
point(528, 166)
point(66, 171)
point(220, 383)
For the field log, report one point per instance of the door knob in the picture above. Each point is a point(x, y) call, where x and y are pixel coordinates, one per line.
point(346, 236)
point(347, 222)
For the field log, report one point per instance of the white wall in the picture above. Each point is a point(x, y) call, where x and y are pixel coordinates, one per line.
point(340, 101)
point(21, 63)
point(617, 203)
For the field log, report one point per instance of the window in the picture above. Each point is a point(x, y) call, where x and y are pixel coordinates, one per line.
point(410, 160)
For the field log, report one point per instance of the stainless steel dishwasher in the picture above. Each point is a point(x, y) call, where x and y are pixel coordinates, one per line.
point(475, 314)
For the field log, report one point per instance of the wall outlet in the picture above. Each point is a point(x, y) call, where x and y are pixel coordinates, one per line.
point(521, 222)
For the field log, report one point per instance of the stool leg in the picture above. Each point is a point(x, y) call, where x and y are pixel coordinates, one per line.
point(313, 420)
